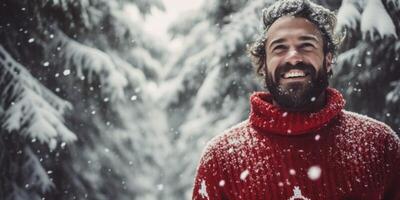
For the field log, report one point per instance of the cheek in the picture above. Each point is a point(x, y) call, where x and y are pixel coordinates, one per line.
point(317, 62)
point(272, 64)
point(270, 71)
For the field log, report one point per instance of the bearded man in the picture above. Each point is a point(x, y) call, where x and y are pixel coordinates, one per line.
point(298, 142)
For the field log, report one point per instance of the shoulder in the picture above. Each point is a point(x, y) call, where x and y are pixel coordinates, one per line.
point(354, 121)
point(236, 135)
point(365, 128)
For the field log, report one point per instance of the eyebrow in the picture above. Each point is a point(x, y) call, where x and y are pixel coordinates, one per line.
point(309, 37)
point(302, 38)
point(276, 41)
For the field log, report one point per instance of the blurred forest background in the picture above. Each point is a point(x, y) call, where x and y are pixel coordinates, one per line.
point(94, 107)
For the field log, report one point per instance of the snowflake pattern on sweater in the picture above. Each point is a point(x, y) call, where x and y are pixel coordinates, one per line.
point(348, 156)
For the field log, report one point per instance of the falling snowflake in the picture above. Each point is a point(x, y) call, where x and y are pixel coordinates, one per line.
point(317, 137)
point(244, 174)
point(66, 72)
point(314, 172)
point(46, 64)
point(221, 183)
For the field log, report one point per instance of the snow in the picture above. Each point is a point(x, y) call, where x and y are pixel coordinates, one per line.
point(175, 96)
point(314, 172)
point(348, 16)
point(133, 98)
point(46, 63)
point(93, 62)
point(66, 72)
point(394, 95)
point(36, 175)
point(159, 21)
point(376, 19)
point(32, 113)
point(244, 175)
point(317, 137)
point(221, 183)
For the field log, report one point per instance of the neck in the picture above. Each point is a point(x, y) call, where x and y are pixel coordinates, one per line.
point(313, 106)
point(270, 118)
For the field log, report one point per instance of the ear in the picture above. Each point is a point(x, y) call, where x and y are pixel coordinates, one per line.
point(328, 63)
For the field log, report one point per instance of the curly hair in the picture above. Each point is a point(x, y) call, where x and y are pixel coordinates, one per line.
point(323, 18)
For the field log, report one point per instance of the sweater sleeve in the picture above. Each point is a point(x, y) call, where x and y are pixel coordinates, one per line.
point(393, 156)
point(207, 181)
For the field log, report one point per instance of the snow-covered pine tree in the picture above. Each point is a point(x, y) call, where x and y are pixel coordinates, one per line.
point(367, 69)
point(30, 115)
point(94, 55)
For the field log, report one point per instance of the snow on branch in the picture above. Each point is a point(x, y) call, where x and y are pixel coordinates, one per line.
point(134, 76)
point(29, 107)
point(376, 20)
point(34, 172)
point(143, 59)
point(19, 193)
point(244, 26)
point(348, 16)
point(201, 64)
point(128, 25)
point(394, 95)
point(146, 6)
point(89, 62)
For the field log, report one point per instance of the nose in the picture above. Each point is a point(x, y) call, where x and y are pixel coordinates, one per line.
point(294, 57)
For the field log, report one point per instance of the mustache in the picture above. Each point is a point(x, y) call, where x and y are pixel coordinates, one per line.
point(282, 69)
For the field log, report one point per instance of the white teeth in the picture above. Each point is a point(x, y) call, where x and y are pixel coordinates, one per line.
point(294, 74)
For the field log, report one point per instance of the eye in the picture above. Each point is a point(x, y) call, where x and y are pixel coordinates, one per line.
point(279, 48)
point(307, 46)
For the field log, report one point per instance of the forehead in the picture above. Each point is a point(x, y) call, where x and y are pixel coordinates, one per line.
point(288, 27)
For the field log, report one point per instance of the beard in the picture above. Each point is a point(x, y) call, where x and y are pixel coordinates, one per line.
point(297, 95)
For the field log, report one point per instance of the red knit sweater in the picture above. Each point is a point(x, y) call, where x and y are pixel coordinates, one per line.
point(331, 154)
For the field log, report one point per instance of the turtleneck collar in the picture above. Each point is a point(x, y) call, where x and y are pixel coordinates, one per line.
point(272, 119)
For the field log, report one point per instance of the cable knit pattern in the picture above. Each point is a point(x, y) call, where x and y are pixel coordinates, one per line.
point(331, 154)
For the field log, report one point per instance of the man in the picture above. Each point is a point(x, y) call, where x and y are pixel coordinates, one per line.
point(298, 142)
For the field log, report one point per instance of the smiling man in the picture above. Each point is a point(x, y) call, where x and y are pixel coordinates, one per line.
point(298, 142)
point(297, 65)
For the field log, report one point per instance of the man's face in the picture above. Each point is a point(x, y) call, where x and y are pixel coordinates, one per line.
point(296, 67)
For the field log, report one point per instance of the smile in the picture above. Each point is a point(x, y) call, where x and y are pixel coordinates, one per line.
point(294, 73)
